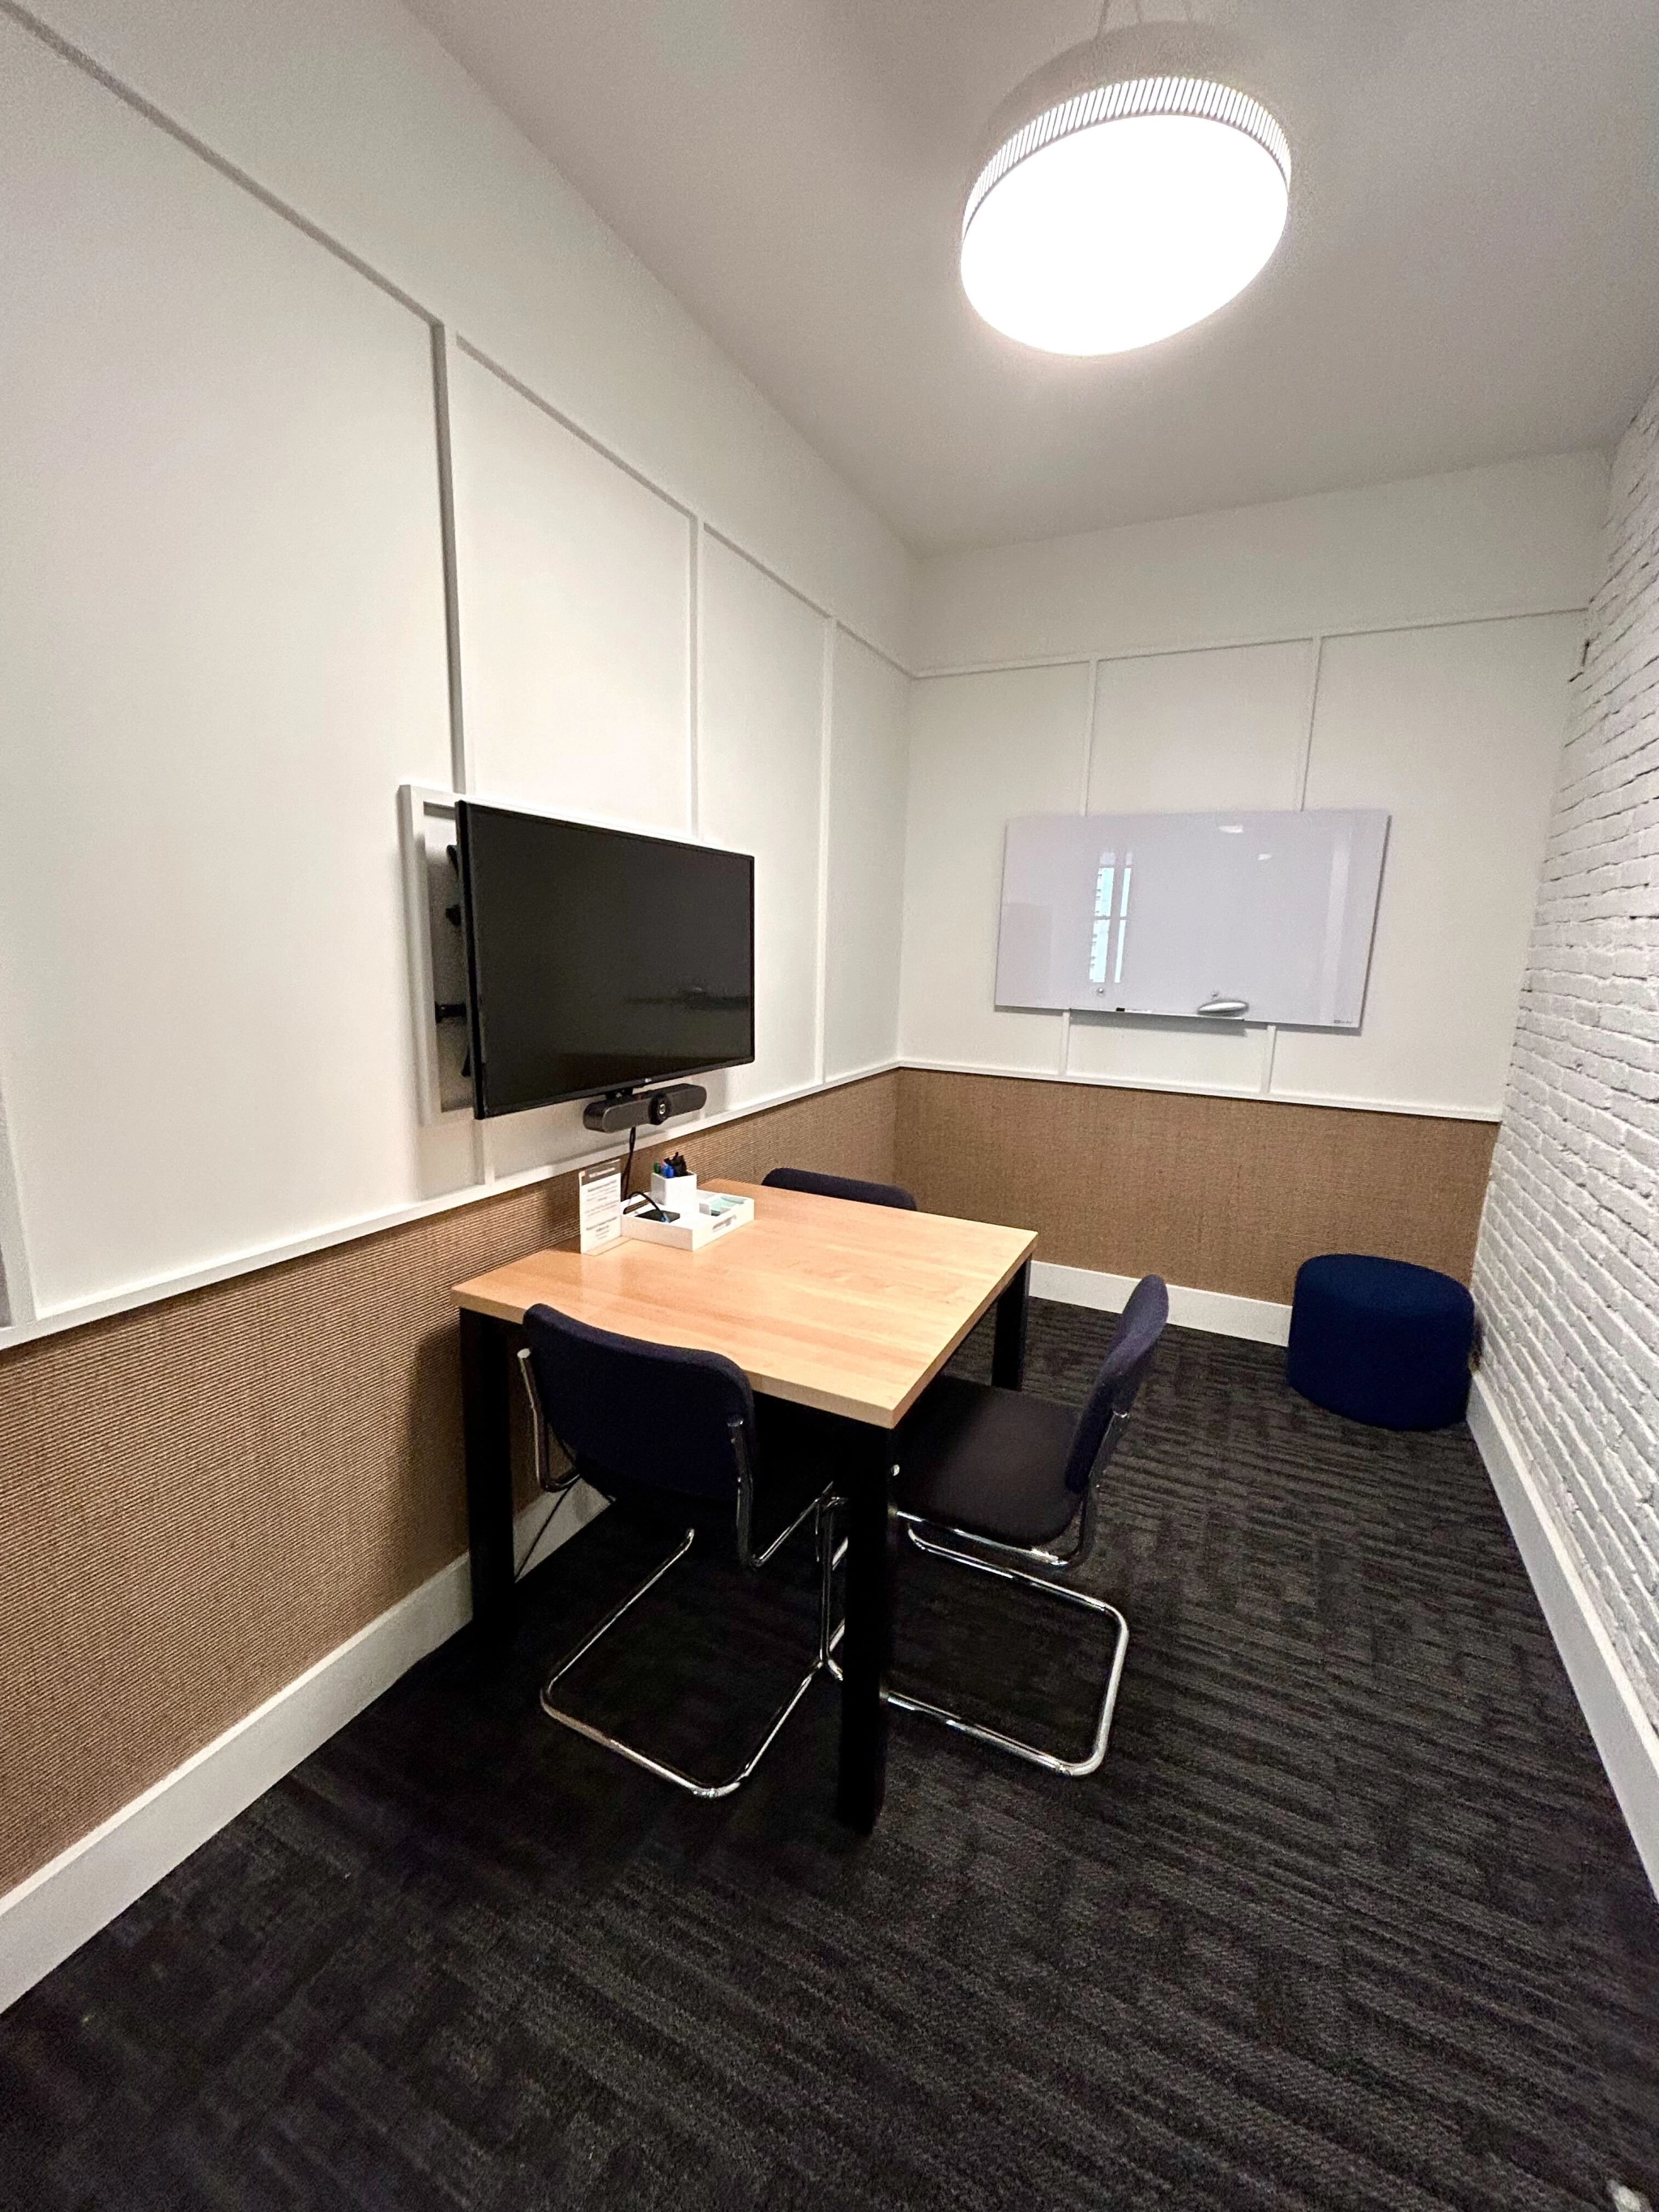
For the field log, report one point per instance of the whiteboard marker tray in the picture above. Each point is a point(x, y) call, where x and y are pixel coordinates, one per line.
point(716, 1215)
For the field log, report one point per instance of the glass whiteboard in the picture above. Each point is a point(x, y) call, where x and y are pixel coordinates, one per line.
point(1263, 917)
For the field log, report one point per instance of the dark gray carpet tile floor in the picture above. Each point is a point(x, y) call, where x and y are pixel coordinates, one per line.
point(1347, 1921)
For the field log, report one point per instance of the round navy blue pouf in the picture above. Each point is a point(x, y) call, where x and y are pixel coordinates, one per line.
point(1380, 1340)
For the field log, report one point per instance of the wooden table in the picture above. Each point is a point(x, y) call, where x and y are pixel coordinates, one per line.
point(850, 1309)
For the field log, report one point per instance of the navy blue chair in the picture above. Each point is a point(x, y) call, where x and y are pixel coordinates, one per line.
point(674, 1434)
point(1013, 1475)
point(828, 1186)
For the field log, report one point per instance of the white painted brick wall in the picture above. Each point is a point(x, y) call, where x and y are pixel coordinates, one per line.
point(1567, 1273)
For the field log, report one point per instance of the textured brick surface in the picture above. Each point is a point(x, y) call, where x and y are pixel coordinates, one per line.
point(1567, 1270)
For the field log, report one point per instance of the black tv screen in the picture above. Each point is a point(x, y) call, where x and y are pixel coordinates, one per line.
point(598, 960)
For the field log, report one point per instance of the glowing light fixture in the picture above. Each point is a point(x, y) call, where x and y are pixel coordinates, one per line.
point(1136, 203)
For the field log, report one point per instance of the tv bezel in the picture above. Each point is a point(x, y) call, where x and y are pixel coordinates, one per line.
point(464, 806)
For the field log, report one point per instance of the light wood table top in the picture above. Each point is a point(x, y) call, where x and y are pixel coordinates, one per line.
point(852, 1309)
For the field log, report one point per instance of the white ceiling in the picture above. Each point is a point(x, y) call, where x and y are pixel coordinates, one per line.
point(1471, 271)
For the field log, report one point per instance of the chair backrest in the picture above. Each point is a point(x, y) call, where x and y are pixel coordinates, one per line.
point(655, 1416)
point(828, 1186)
point(1134, 1339)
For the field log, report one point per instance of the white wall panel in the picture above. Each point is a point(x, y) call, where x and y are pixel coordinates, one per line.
point(1180, 1055)
point(759, 759)
point(983, 748)
point(573, 581)
point(574, 590)
point(356, 116)
point(1458, 732)
point(865, 905)
point(1474, 541)
point(1181, 732)
point(221, 572)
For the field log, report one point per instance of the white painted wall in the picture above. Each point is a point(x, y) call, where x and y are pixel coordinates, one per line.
point(356, 117)
point(224, 619)
point(1522, 535)
point(1457, 731)
point(1231, 723)
point(1407, 647)
point(759, 768)
point(223, 563)
point(227, 577)
point(981, 748)
point(575, 586)
point(863, 902)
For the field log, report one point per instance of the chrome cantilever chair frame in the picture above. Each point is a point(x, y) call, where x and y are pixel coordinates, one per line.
point(819, 1511)
point(925, 1535)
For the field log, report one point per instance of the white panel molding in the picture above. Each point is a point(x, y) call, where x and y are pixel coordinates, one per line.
point(980, 750)
point(760, 776)
point(1623, 1735)
point(452, 337)
point(1091, 710)
point(17, 1305)
point(79, 58)
point(1218, 1313)
point(575, 636)
point(206, 1041)
point(1310, 723)
point(1521, 611)
point(442, 344)
point(694, 689)
point(64, 1903)
point(1456, 730)
point(53, 1321)
point(543, 406)
point(787, 584)
point(863, 874)
point(1431, 1110)
point(826, 758)
point(23, 1315)
point(1270, 1053)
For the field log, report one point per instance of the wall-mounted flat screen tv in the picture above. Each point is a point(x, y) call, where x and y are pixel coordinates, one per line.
point(599, 961)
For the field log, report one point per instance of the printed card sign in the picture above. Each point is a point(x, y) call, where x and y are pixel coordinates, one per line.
point(599, 1205)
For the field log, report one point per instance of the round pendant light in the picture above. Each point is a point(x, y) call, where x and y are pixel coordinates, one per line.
point(1129, 199)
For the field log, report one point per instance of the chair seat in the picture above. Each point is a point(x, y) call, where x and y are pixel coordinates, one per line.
point(801, 1453)
point(988, 1460)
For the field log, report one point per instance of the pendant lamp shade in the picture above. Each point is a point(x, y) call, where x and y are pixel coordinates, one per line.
point(1131, 208)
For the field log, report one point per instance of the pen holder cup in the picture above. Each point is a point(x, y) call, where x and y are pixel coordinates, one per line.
point(674, 1193)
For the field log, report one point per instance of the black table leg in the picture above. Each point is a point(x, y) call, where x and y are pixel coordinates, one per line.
point(867, 1646)
point(486, 1381)
point(1008, 1353)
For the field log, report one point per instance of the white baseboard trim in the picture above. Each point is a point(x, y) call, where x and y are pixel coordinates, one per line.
point(1261, 1320)
point(55, 1910)
point(1622, 1733)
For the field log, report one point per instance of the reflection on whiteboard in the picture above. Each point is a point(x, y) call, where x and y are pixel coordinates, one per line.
point(1243, 917)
